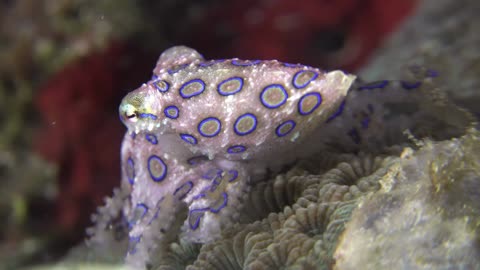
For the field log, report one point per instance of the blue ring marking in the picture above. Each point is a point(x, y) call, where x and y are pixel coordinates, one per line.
point(212, 174)
point(244, 63)
point(410, 86)
point(262, 99)
point(155, 158)
point(196, 93)
point(190, 186)
point(201, 212)
point(132, 244)
point(432, 73)
point(290, 65)
point(176, 69)
point(211, 62)
point(133, 135)
point(235, 149)
point(151, 138)
point(139, 213)
point(200, 195)
point(224, 203)
point(299, 86)
point(130, 171)
point(278, 130)
point(337, 113)
point(213, 186)
point(234, 174)
point(373, 85)
point(218, 180)
point(205, 121)
point(316, 94)
point(188, 138)
point(197, 160)
point(162, 85)
point(147, 115)
point(240, 118)
point(168, 112)
point(223, 93)
point(155, 216)
point(353, 133)
point(365, 122)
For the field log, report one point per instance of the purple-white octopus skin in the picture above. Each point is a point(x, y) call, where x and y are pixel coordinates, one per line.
point(200, 131)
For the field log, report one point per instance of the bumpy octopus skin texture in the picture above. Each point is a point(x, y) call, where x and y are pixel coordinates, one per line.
point(200, 131)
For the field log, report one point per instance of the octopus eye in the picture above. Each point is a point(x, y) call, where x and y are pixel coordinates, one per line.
point(129, 112)
point(131, 115)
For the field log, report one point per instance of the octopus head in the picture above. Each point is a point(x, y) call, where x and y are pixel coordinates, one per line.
point(140, 110)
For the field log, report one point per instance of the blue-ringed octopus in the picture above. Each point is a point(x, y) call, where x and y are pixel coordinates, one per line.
point(200, 132)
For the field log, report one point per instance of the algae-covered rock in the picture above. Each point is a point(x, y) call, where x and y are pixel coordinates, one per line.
point(425, 216)
point(441, 35)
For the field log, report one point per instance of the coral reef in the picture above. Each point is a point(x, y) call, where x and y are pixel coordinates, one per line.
point(55, 34)
point(414, 209)
point(380, 200)
point(422, 190)
point(324, 211)
point(343, 217)
point(303, 233)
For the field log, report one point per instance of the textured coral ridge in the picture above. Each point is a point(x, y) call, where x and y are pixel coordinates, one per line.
point(202, 134)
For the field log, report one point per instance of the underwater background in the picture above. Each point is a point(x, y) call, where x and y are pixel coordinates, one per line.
point(65, 65)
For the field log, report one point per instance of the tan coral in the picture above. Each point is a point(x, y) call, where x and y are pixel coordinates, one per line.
point(235, 252)
point(272, 196)
point(287, 248)
point(311, 220)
